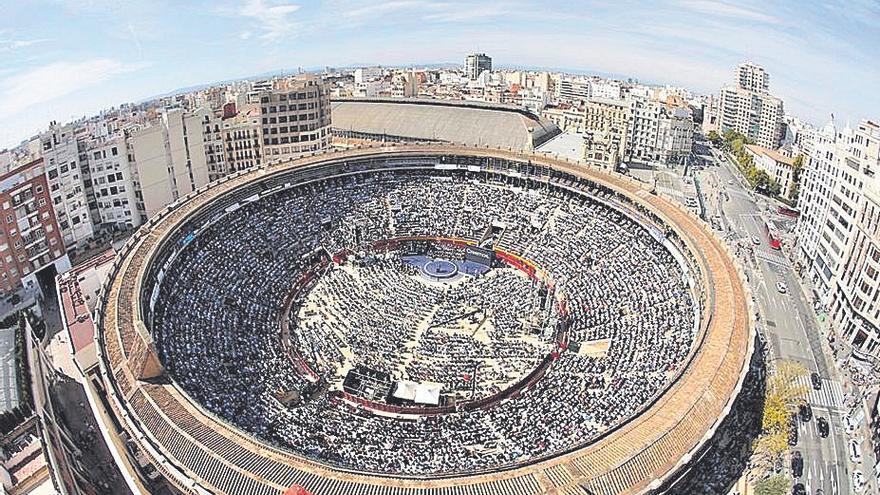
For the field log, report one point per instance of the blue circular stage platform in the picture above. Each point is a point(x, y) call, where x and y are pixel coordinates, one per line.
point(440, 269)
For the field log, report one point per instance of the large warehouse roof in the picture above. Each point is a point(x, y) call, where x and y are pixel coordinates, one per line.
point(461, 122)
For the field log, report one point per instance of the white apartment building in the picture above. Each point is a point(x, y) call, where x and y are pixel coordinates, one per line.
point(365, 74)
point(838, 237)
point(170, 158)
point(819, 252)
point(111, 183)
point(606, 88)
point(63, 152)
point(644, 126)
point(572, 90)
point(748, 108)
point(752, 77)
point(659, 132)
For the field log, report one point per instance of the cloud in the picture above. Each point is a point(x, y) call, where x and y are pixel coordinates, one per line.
point(380, 8)
point(722, 9)
point(272, 20)
point(49, 82)
point(11, 44)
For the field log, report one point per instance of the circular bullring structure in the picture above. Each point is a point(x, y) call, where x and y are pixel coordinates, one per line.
point(423, 319)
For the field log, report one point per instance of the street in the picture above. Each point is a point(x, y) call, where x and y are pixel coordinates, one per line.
point(786, 319)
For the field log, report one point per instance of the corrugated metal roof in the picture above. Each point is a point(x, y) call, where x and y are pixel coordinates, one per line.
point(497, 128)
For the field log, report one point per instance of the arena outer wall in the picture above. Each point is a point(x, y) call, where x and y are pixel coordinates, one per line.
point(197, 453)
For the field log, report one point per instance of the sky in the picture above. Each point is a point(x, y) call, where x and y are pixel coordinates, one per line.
point(60, 60)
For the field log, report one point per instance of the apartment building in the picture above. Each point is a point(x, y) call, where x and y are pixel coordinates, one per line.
point(602, 149)
point(30, 236)
point(295, 117)
point(242, 139)
point(63, 149)
point(838, 238)
point(748, 108)
point(569, 118)
point(475, 64)
point(675, 134)
point(215, 153)
point(610, 117)
point(778, 166)
point(574, 90)
point(170, 158)
point(644, 130)
point(111, 183)
point(752, 77)
point(819, 252)
point(855, 301)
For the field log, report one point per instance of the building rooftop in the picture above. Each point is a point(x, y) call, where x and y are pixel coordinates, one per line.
point(779, 157)
point(451, 121)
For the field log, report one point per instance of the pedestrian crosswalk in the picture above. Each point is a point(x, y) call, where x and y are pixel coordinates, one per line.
point(770, 257)
point(830, 396)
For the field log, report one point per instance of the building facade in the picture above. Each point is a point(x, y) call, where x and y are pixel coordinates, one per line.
point(779, 167)
point(612, 119)
point(475, 64)
point(838, 238)
point(64, 152)
point(30, 236)
point(110, 184)
point(170, 158)
point(295, 118)
point(747, 107)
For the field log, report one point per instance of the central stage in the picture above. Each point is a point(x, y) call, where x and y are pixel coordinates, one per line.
point(440, 269)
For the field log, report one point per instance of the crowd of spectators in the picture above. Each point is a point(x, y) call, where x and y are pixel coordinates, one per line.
point(631, 319)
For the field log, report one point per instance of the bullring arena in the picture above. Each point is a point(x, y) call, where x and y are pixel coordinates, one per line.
point(422, 319)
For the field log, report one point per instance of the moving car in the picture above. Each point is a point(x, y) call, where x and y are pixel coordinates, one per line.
point(816, 381)
point(756, 241)
point(822, 426)
point(781, 287)
point(806, 412)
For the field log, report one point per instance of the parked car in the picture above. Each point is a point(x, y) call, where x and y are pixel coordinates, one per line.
point(793, 430)
point(756, 241)
point(798, 489)
point(816, 380)
point(797, 464)
point(781, 287)
point(855, 452)
point(823, 427)
point(858, 480)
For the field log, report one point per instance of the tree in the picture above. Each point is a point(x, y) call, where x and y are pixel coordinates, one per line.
point(797, 168)
point(776, 485)
point(714, 138)
point(782, 397)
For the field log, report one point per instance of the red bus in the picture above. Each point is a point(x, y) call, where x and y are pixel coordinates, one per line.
point(773, 237)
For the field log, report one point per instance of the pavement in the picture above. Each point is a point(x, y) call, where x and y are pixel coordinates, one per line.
point(8, 384)
point(786, 319)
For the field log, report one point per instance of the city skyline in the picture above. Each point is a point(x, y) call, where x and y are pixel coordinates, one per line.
point(819, 55)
